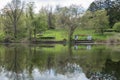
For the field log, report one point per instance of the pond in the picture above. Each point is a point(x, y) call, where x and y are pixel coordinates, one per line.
point(59, 62)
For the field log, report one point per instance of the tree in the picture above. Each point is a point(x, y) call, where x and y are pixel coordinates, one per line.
point(111, 6)
point(97, 20)
point(7, 26)
point(1, 27)
point(86, 20)
point(100, 20)
point(43, 17)
point(36, 23)
point(96, 5)
point(22, 29)
point(29, 18)
point(39, 23)
point(50, 17)
point(117, 26)
point(69, 18)
point(14, 11)
point(114, 12)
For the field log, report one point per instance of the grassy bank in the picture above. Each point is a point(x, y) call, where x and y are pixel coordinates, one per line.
point(82, 33)
point(61, 34)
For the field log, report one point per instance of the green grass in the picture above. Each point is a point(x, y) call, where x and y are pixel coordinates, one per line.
point(94, 35)
point(61, 34)
point(58, 34)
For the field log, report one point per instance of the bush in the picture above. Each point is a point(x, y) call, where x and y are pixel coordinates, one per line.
point(117, 26)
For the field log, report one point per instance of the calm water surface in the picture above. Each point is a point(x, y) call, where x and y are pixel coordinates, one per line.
point(59, 62)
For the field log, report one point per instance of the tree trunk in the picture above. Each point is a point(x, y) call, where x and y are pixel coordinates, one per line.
point(30, 33)
point(49, 21)
point(15, 30)
point(70, 52)
point(69, 38)
point(15, 23)
point(35, 33)
point(102, 31)
point(15, 59)
point(70, 35)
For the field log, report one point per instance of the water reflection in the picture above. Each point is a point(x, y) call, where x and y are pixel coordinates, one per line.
point(102, 76)
point(108, 72)
point(78, 47)
point(58, 62)
point(52, 75)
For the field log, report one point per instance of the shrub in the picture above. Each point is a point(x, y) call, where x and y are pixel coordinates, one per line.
point(117, 26)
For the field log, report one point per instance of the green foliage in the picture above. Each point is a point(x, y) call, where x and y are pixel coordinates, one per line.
point(2, 36)
point(97, 20)
point(117, 26)
point(111, 6)
point(69, 18)
point(100, 21)
point(86, 20)
point(65, 20)
point(42, 22)
point(30, 57)
point(22, 28)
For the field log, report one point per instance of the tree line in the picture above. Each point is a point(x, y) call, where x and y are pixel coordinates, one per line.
point(112, 7)
point(19, 21)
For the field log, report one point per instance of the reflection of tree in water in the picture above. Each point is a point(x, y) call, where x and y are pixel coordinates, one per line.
point(112, 67)
point(67, 62)
point(50, 61)
point(102, 76)
point(15, 71)
point(29, 59)
point(38, 58)
point(111, 71)
point(19, 58)
point(72, 68)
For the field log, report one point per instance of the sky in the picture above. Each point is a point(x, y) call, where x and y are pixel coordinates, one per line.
point(53, 3)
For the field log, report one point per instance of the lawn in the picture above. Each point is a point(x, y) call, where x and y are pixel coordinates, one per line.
point(61, 34)
point(58, 34)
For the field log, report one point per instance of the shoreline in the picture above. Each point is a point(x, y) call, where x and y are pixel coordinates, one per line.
point(63, 42)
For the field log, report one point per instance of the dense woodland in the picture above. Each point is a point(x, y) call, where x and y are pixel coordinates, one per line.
point(20, 23)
